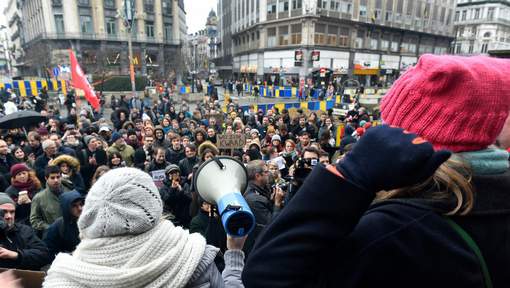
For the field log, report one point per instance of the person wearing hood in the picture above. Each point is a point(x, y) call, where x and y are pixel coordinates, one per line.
point(63, 234)
point(119, 145)
point(159, 134)
point(132, 139)
point(70, 168)
point(176, 152)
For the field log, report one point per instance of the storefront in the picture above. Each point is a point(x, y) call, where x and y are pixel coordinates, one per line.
point(389, 71)
point(279, 68)
point(366, 69)
point(406, 62)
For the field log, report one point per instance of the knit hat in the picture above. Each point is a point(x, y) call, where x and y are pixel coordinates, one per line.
point(276, 138)
point(254, 131)
point(171, 168)
point(5, 199)
point(456, 103)
point(123, 201)
point(116, 136)
point(87, 139)
point(18, 168)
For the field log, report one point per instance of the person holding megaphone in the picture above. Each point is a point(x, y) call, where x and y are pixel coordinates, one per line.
point(126, 242)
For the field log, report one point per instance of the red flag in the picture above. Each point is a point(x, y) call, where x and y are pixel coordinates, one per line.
point(80, 81)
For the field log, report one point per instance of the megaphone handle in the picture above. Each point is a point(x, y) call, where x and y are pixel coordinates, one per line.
point(219, 163)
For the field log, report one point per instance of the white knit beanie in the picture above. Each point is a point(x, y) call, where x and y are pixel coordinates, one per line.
point(123, 201)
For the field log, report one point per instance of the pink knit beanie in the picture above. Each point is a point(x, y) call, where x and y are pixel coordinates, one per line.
point(456, 103)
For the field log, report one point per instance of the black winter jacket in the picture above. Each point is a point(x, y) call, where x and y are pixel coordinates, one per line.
point(263, 209)
point(32, 253)
point(177, 202)
point(329, 237)
point(174, 156)
point(63, 234)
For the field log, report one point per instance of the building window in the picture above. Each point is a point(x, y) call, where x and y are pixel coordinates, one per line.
point(374, 41)
point(295, 37)
point(457, 16)
point(385, 43)
point(360, 36)
point(471, 45)
point(84, 2)
point(271, 37)
point(271, 8)
point(464, 15)
point(477, 13)
point(323, 4)
point(343, 40)
point(167, 6)
point(168, 31)
point(490, 13)
point(111, 26)
point(485, 47)
point(284, 6)
point(388, 16)
point(332, 35)
point(460, 32)
point(487, 35)
point(296, 4)
point(148, 6)
point(59, 23)
point(458, 48)
point(149, 29)
point(109, 3)
point(363, 11)
point(320, 34)
point(283, 33)
point(86, 24)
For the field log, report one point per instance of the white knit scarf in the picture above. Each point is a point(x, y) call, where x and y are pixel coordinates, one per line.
point(165, 256)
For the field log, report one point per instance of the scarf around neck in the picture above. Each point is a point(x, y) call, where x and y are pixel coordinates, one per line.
point(27, 186)
point(487, 162)
point(165, 256)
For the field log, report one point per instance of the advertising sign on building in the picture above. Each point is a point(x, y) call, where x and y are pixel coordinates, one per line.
point(298, 56)
point(316, 55)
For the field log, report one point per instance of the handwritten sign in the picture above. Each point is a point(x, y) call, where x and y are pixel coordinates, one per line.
point(158, 176)
point(231, 141)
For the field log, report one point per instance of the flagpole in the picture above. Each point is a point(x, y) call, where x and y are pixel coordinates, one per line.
point(131, 66)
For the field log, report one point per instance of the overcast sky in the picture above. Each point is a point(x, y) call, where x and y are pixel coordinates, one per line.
point(197, 12)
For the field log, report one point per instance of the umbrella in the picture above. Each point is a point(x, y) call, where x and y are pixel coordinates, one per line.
point(21, 119)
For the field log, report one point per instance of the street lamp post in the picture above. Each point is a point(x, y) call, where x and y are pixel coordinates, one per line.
point(127, 16)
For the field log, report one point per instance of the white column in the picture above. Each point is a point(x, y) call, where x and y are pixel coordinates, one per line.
point(176, 22)
point(71, 17)
point(98, 18)
point(158, 23)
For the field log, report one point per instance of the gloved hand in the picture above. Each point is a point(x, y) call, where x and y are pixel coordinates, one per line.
point(387, 158)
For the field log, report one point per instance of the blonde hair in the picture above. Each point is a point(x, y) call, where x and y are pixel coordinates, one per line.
point(451, 180)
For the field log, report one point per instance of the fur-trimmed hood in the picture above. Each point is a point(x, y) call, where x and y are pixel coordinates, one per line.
point(207, 145)
point(70, 160)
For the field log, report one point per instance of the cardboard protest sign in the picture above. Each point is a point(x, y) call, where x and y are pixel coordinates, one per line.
point(231, 141)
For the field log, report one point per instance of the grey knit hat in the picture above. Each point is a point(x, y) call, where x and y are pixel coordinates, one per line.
point(123, 201)
point(5, 199)
point(171, 168)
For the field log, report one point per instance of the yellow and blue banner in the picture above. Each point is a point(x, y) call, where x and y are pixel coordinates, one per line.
point(310, 105)
point(32, 87)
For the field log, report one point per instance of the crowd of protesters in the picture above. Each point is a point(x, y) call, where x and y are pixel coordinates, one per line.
point(310, 194)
